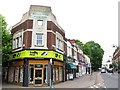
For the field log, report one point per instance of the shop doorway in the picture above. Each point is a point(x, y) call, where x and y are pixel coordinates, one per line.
point(38, 77)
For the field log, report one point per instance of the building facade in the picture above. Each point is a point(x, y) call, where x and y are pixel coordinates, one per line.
point(116, 58)
point(41, 52)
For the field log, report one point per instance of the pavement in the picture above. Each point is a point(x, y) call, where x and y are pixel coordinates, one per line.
point(86, 81)
point(99, 82)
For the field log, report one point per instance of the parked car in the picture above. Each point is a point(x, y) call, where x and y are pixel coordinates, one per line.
point(110, 70)
point(103, 70)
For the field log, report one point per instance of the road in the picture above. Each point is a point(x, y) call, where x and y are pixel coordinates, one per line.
point(110, 80)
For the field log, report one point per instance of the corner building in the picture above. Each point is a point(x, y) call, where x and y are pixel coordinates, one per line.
point(38, 49)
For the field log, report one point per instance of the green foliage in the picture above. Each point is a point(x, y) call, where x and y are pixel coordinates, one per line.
point(6, 40)
point(95, 53)
point(79, 43)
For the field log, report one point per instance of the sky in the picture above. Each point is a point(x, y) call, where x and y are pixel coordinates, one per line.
point(85, 20)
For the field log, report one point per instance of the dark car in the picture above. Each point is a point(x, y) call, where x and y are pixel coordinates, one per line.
point(110, 70)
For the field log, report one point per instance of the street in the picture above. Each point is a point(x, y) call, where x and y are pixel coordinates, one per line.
point(110, 80)
point(95, 81)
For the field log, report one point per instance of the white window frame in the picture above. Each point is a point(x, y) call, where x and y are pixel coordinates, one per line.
point(17, 42)
point(14, 43)
point(20, 41)
point(42, 44)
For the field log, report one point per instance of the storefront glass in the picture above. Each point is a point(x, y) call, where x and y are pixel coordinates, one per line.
point(16, 74)
point(46, 74)
point(60, 73)
point(11, 74)
point(21, 74)
point(57, 74)
point(31, 74)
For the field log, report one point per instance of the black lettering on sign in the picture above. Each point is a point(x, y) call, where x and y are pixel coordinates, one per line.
point(16, 55)
point(59, 56)
point(33, 53)
point(44, 53)
point(56, 55)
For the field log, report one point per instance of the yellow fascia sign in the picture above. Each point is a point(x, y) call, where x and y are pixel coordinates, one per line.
point(37, 54)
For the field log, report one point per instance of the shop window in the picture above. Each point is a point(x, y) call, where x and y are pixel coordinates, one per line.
point(60, 73)
point(46, 74)
point(57, 78)
point(77, 70)
point(11, 74)
point(38, 66)
point(21, 74)
point(31, 73)
point(16, 74)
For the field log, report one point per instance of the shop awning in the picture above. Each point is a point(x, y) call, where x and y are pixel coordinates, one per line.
point(71, 66)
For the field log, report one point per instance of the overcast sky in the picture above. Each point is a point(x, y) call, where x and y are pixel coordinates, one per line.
point(85, 20)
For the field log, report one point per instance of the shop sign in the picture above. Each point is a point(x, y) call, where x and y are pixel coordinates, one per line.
point(37, 54)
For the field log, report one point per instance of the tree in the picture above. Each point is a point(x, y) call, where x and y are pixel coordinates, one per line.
point(95, 53)
point(6, 40)
point(79, 43)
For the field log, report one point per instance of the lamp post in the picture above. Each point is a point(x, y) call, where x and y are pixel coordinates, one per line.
point(51, 82)
point(50, 72)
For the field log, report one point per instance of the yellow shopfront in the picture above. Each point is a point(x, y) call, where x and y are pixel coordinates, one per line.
point(35, 69)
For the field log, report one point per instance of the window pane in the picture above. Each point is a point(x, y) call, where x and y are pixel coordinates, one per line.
point(20, 41)
point(38, 81)
point(39, 39)
point(40, 22)
point(38, 65)
point(17, 42)
point(38, 73)
point(39, 36)
point(46, 74)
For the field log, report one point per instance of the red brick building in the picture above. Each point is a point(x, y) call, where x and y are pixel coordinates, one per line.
point(116, 56)
point(39, 50)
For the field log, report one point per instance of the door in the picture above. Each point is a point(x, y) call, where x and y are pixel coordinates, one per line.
point(38, 77)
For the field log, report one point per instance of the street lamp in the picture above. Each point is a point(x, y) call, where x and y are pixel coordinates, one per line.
point(51, 82)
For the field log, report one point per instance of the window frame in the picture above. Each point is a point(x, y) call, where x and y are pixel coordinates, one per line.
point(42, 39)
point(40, 22)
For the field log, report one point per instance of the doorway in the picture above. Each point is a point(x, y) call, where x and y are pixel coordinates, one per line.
point(38, 77)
